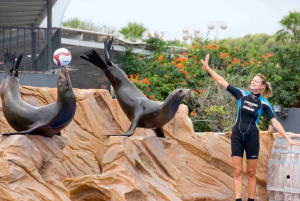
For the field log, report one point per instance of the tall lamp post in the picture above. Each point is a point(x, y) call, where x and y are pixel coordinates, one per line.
point(186, 36)
point(222, 25)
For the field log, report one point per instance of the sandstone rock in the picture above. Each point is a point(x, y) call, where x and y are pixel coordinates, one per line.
point(83, 164)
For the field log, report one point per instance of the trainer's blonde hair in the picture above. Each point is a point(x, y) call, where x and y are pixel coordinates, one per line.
point(267, 91)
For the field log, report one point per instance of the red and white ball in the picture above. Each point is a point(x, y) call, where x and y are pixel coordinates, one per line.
point(62, 57)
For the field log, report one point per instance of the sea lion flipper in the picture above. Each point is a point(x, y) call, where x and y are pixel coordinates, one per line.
point(94, 58)
point(159, 132)
point(29, 131)
point(107, 46)
point(9, 62)
point(130, 130)
point(16, 68)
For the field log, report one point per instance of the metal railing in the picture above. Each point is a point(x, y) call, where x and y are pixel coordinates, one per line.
point(32, 43)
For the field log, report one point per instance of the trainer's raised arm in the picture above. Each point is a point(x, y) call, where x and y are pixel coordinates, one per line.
point(219, 79)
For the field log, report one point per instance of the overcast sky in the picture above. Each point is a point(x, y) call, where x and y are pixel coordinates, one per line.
point(241, 16)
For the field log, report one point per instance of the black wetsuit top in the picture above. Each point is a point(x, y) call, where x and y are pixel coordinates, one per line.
point(245, 133)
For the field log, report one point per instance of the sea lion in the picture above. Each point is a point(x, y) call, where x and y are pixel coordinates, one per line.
point(141, 111)
point(47, 120)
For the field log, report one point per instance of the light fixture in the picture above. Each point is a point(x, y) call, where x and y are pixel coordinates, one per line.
point(280, 110)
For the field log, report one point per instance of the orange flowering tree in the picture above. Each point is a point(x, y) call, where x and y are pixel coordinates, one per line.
point(211, 109)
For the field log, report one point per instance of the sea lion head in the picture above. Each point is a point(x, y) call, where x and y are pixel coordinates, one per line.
point(175, 98)
point(64, 86)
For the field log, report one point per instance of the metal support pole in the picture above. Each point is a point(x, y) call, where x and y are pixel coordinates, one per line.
point(33, 48)
point(49, 35)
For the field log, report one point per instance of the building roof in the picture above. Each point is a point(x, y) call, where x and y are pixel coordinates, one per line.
point(23, 13)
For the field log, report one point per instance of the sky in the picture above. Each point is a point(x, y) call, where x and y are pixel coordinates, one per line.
point(242, 17)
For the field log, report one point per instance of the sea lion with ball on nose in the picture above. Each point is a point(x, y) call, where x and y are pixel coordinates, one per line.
point(47, 120)
point(141, 111)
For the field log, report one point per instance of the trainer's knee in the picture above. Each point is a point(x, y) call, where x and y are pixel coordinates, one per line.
point(237, 172)
point(251, 172)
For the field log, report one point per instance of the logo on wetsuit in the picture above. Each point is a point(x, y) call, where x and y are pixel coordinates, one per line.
point(249, 104)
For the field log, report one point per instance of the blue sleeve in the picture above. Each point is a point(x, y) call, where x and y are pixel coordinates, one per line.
point(267, 108)
point(236, 92)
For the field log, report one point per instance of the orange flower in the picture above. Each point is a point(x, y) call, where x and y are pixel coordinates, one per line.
point(229, 65)
point(183, 53)
point(140, 81)
point(183, 59)
point(252, 61)
point(222, 55)
point(184, 82)
point(185, 72)
point(217, 46)
point(201, 90)
point(131, 78)
point(203, 47)
point(235, 60)
point(148, 89)
point(194, 46)
point(203, 68)
point(173, 63)
point(138, 57)
point(146, 81)
point(160, 58)
point(188, 77)
point(180, 65)
point(209, 46)
point(151, 97)
point(192, 114)
point(166, 76)
point(195, 56)
point(245, 63)
point(268, 55)
point(213, 79)
point(200, 82)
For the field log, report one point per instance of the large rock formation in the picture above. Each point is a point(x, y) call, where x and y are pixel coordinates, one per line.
point(82, 164)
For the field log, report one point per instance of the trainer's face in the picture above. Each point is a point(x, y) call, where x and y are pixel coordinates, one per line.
point(256, 84)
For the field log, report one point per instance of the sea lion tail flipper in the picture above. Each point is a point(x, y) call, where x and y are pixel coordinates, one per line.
point(29, 131)
point(16, 68)
point(107, 45)
point(9, 62)
point(94, 58)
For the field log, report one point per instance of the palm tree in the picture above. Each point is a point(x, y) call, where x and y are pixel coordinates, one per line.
point(291, 24)
point(133, 31)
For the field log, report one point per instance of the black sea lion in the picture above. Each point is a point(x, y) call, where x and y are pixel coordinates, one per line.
point(141, 111)
point(28, 119)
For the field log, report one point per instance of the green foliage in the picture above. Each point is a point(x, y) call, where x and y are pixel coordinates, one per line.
point(237, 60)
point(290, 31)
point(133, 31)
point(248, 42)
point(89, 26)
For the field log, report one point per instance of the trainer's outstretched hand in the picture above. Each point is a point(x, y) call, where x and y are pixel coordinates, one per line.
point(292, 142)
point(205, 62)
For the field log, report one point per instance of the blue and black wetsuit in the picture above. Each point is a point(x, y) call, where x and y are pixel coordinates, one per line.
point(245, 133)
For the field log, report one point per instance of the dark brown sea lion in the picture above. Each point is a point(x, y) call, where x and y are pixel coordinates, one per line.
point(141, 111)
point(48, 120)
